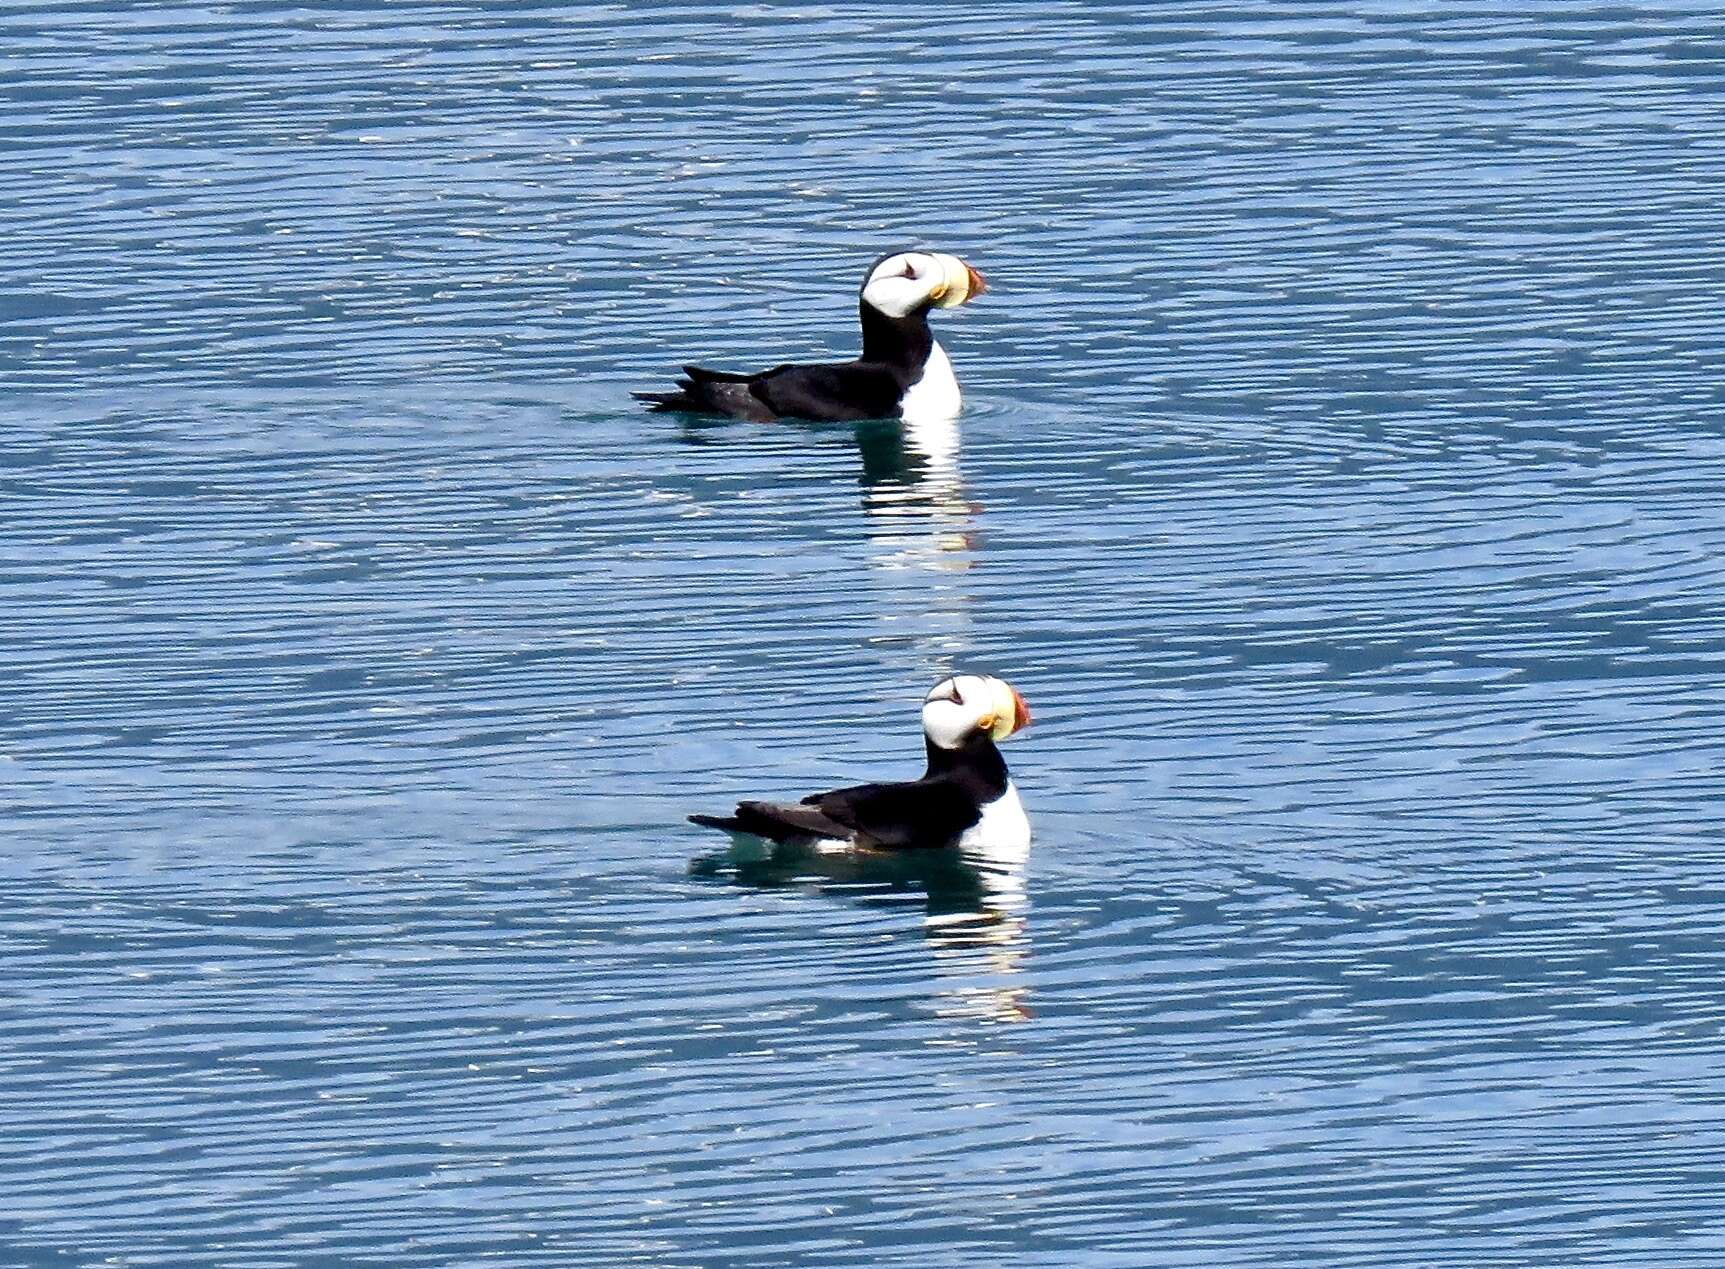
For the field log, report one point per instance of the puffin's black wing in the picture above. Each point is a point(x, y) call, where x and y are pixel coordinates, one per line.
point(845, 392)
point(777, 822)
point(841, 391)
point(917, 813)
point(926, 813)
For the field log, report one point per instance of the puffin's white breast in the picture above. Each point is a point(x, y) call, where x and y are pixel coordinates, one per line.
point(935, 395)
point(1003, 830)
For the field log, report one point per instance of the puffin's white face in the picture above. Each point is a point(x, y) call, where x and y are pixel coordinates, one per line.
point(956, 709)
point(905, 282)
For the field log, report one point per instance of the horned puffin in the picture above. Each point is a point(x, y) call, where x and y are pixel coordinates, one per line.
point(966, 798)
point(902, 372)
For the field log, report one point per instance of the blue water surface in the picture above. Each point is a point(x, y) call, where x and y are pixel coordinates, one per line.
point(1342, 480)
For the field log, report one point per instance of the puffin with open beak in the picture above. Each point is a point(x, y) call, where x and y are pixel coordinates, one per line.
point(901, 373)
point(966, 798)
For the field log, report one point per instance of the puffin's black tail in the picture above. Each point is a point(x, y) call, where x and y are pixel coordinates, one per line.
point(666, 402)
point(730, 823)
point(702, 391)
point(777, 822)
point(686, 397)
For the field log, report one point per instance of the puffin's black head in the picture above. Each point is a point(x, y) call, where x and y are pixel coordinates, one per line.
point(970, 707)
point(902, 282)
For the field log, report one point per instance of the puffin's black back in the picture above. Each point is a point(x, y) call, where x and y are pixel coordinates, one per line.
point(920, 814)
point(894, 351)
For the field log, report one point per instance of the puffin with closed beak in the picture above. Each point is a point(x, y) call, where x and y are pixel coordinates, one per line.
point(902, 372)
point(966, 798)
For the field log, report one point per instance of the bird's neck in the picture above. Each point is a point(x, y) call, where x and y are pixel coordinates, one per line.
point(900, 342)
point(977, 764)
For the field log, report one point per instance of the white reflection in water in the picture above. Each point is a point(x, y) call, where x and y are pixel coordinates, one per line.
point(914, 495)
point(920, 525)
point(975, 909)
point(981, 945)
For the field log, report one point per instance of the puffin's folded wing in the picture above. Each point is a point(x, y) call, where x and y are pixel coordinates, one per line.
point(913, 814)
point(702, 391)
point(778, 822)
point(844, 392)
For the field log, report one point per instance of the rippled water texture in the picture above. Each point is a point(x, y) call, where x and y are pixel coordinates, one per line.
point(1342, 481)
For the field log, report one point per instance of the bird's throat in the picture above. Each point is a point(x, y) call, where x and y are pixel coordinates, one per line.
point(900, 342)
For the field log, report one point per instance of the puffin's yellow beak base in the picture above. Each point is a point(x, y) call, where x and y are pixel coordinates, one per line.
point(1010, 715)
point(959, 283)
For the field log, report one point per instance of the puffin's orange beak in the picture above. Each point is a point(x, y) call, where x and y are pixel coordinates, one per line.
point(1020, 711)
point(978, 284)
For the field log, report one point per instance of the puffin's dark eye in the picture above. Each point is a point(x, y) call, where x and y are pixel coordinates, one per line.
point(909, 269)
point(945, 690)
